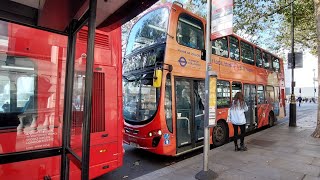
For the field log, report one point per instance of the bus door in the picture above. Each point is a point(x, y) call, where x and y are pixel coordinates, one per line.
point(250, 99)
point(190, 113)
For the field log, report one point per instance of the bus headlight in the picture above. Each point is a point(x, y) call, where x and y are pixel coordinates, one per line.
point(155, 133)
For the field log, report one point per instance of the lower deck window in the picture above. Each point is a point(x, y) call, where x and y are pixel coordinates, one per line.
point(223, 94)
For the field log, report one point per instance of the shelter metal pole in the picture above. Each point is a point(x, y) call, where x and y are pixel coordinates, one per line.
point(88, 90)
point(64, 171)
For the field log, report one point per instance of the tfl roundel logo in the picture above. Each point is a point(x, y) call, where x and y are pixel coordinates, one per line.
point(182, 61)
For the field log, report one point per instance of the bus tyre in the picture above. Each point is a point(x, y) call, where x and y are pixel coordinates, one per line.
point(219, 134)
point(271, 120)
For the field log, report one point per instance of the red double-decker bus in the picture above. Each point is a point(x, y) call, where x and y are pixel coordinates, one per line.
point(164, 75)
point(32, 81)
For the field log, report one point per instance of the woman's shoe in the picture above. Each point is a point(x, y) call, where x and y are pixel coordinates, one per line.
point(243, 148)
point(236, 148)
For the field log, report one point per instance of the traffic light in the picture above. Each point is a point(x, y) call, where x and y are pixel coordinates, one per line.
point(299, 90)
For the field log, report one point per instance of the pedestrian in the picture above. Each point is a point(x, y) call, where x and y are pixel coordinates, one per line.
point(299, 99)
point(238, 119)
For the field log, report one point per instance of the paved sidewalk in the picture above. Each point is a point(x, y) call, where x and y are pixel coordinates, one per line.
point(276, 153)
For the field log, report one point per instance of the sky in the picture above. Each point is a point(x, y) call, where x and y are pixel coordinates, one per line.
point(304, 76)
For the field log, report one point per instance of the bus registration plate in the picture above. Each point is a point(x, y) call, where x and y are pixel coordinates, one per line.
point(134, 144)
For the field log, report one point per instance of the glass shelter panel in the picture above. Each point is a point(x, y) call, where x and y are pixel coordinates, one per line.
point(32, 75)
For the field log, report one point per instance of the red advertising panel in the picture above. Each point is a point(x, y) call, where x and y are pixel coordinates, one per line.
point(221, 18)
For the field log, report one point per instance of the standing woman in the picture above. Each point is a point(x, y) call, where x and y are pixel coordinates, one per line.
point(238, 119)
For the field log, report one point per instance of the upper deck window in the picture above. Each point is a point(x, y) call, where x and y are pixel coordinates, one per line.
point(266, 60)
point(275, 64)
point(234, 48)
point(150, 29)
point(259, 60)
point(220, 47)
point(247, 53)
point(190, 32)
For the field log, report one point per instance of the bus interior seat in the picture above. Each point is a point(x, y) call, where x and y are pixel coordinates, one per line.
point(28, 110)
point(185, 40)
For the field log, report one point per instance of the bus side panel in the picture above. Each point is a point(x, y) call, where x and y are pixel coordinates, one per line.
point(117, 60)
point(31, 170)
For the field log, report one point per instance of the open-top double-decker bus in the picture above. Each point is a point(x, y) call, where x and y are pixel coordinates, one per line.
point(163, 77)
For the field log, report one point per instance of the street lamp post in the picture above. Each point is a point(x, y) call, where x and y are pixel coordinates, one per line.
point(292, 115)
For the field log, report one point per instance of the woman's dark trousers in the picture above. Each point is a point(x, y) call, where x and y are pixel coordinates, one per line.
point(241, 136)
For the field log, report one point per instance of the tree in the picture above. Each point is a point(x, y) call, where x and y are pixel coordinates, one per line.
point(316, 133)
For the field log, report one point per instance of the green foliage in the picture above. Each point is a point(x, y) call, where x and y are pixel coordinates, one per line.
point(305, 26)
point(268, 22)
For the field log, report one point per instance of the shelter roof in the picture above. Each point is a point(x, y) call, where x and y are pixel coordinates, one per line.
point(56, 15)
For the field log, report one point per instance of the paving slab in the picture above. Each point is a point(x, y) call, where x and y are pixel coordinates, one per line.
point(270, 172)
point(307, 177)
point(296, 167)
point(316, 161)
point(276, 153)
point(237, 174)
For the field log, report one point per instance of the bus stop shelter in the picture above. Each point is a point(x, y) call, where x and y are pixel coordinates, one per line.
point(67, 17)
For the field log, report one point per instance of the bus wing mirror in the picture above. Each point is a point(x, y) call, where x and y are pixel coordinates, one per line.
point(203, 54)
point(157, 78)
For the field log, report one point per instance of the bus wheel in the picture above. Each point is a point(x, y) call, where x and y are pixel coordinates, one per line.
point(271, 120)
point(219, 134)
